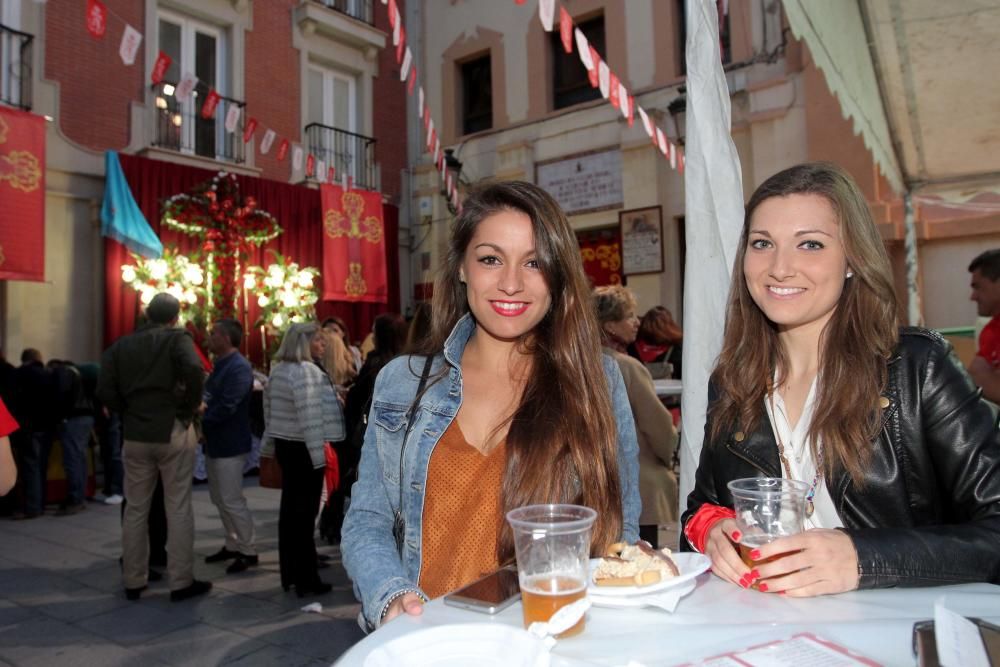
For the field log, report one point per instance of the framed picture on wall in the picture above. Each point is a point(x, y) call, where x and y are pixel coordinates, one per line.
point(642, 240)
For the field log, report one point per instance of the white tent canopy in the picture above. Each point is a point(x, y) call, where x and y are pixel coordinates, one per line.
point(917, 77)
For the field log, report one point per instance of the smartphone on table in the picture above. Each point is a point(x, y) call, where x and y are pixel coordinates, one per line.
point(489, 595)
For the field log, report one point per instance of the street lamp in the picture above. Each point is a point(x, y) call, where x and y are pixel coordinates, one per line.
point(454, 167)
point(678, 113)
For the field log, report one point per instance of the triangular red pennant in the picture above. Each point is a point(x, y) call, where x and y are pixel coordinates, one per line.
point(160, 68)
point(566, 30)
point(401, 46)
point(413, 80)
point(248, 131)
point(283, 150)
point(613, 92)
point(211, 102)
point(97, 18)
point(631, 111)
point(592, 73)
point(310, 165)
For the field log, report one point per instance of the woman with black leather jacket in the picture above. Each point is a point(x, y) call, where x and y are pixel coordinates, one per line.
point(817, 382)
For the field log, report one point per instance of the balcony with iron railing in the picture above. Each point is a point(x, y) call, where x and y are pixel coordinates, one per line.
point(348, 153)
point(362, 10)
point(15, 68)
point(178, 125)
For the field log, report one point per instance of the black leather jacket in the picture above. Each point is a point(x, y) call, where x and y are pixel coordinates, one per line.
point(929, 512)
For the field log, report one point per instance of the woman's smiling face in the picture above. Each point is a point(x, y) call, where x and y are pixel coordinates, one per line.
point(505, 288)
point(795, 264)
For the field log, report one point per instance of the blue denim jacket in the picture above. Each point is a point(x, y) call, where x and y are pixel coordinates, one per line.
point(367, 544)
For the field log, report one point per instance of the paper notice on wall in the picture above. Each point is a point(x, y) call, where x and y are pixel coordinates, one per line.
point(131, 39)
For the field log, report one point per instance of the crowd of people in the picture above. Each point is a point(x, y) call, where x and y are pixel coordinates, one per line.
point(520, 384)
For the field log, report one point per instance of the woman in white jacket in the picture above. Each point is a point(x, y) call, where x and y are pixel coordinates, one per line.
point(302, 414)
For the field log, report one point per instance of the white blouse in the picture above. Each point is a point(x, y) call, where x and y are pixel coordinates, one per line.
point(800, 459)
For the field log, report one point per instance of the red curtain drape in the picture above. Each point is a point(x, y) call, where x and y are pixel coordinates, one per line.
point(296, 208)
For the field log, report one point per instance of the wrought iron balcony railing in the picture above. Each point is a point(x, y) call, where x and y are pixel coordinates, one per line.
point(348, 153)
point(179, 126)
point(15, 68)
point(362, 10)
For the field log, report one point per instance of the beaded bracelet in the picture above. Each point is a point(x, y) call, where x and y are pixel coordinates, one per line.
point(395, 596)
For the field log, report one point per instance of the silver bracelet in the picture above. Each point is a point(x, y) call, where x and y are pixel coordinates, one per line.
point(395, 596)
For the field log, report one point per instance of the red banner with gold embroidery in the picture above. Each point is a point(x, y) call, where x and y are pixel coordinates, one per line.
point(22, 195)
point(354, 267)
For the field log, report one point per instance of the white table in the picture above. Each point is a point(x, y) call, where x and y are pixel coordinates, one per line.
point(718, 617)
point(667, 387)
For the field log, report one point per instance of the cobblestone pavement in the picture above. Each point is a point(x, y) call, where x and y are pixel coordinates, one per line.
point(62, 600)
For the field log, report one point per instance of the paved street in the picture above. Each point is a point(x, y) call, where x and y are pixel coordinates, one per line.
point(62, 600)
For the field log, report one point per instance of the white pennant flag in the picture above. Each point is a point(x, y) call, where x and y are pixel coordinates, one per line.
point(267, 141)
point(623, 99)
point(447, 182)
point(437, 150)
point(546, 13)
point(645, 121)
point(420, 102)
point(673, 156)
point(187, 85)
point(297, 155)
point(395, 29)
point(131, 39)
point(321, 171)
point(232, 117)
point(661, 141)
point(430, 132)
point(404, 70)
point(604, 78)
point(583, 48)
point(385, 2)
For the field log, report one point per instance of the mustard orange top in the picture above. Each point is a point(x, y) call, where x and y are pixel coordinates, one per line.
point(461, 513)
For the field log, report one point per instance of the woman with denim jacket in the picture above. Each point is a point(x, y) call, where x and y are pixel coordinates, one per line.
point(519, 407)
point(817, 382)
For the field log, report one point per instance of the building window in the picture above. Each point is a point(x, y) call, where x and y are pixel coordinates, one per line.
point(195, 48)
point(331, 127)
point(724, 46)
point(332, 98)
point(570, 82)
point(477, 95)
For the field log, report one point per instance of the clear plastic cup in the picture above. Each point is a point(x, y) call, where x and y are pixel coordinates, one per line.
point(767, 508)
point(552, 544)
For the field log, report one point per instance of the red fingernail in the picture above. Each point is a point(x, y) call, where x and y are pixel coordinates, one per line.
point(754, 574)
point(755, 554)
point(762, 588)
point(736, 536)
point(744, 582)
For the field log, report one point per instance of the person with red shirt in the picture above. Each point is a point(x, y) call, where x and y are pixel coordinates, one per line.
point(8, 471)
point(985, 283)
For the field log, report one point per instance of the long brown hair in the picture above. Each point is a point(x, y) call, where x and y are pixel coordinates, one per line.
point(562, 441)
point(854, 347)
point(658, 327)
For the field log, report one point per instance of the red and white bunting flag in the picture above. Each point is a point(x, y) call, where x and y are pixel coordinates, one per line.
point(680, 163)
point(97, 19)
point(547, 13)
point(283, 150)
point(413, 80)
point(437, 150)
point(519, 2)
point(614, 90)
point(454, 202)
point(592, 73)
point(297, 157)
point(233, 117)
point(566, 30)
point(310, 165)
point(267, 141)
point(430, 135)
point(404, 70)
point(420, 102)
point(211, 103)
point(427, 117)
point(604, 78)
point(401, 45)
point(187, 85)
point(160, 68)
point(248, 131)
point(623, 99)
point(393, 16)
point(645, 120)
point(447, 182)
point(673, 156)
point(661, 141)
point(631, 111)
point(321, 171)
point(385, 2)
point(131, 39)
point(331, 174)
point(583, 48)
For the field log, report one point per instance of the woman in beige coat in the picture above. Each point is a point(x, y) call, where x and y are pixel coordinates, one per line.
point(654, 425)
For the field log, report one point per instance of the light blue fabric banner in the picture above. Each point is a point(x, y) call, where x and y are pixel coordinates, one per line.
point(121, 218)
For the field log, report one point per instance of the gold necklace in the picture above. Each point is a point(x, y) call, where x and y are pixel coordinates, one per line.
point(810, 505)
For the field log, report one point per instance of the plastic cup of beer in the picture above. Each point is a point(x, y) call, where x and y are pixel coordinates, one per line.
point(552, 545)
point(766, 508)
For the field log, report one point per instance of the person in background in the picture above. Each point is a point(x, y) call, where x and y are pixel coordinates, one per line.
point(615, 307)
point(339, 327)
point(985, 283)
point(519, 407)
point(337, 361)
point(225, 424)
point(420, 327)
point(75, 401)
point(302, 414)
point(8, 469)
point(659, 340)
point(154, 378)
point(817, 382)
point(34, 410)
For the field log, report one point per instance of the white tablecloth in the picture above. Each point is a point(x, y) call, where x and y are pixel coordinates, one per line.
point(667, 387)
point(719, 617)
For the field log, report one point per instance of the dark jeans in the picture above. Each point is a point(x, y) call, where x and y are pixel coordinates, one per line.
point(74, 435)
point(33, 458)
point(301, 488)
point(111, 456)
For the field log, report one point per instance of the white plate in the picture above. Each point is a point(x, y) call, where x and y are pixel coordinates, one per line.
point(690, 565)
point(462, 645)
point(650, 600)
